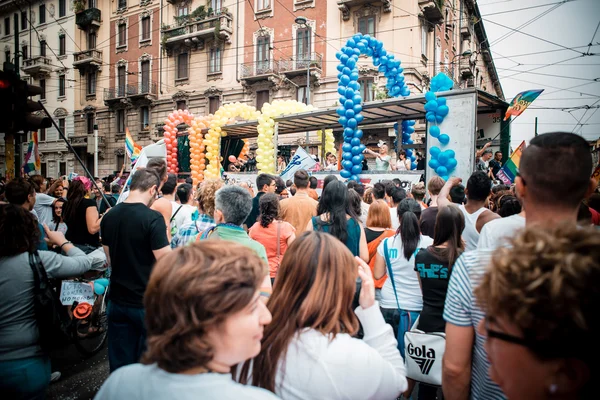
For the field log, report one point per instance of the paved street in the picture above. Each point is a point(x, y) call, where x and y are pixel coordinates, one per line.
point(81, 378)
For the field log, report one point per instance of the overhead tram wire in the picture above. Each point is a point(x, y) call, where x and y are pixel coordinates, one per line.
point(593, 36)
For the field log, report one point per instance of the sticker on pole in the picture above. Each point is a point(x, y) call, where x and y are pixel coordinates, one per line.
point(80, 292)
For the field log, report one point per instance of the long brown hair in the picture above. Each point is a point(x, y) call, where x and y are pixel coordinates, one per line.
point(314, 289)
point(449, 224)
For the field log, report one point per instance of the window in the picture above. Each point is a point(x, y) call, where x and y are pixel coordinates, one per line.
point(62, 45)
point(42, 14)
point(92, 4)
point(7, 56)
point(62, 125)
point(91, 40)
point(120, 121)
point(120, 161)
point(24, 20)
point(301, 95)
point(146, 28)
point(438, 56)
point(262, 97)
point(263, 54)
point(214, 103)
point(44, 169)
point(182, 66)
point(214, 60)
point(42, 137)
point(263, 4)
point(181, 105)
point(145, 118)
point(91, 83)
point(90, 121)
point(366, 25)
point(367, 89)
point(43, 48)
point(43, 86)
point(62, 168)
point(122, 4)
point(216, 5)
point(145, 67)
point(62, 8)
point(25, 51)
point(7, 26)
point(122, 35)
point(424, 35)
point(183, 10)
point(302, 47)
point(121, 81)
point(61, 86)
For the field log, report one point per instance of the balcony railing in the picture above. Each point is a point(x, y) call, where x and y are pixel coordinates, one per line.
point(345, 5)
point(259, 69)
point(432, 10)
point(135, 90)
point(85, 18)
point(301, 63)
point(87, 58)
point(193, 31)
point(37, 66)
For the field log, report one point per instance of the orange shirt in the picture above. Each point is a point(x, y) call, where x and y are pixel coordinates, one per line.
point(298, 210)
point(268, 238)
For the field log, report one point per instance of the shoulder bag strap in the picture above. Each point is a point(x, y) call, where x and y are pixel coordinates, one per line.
point(390, 272)
point(40, 277)
point(278, 242)
point(173, 217)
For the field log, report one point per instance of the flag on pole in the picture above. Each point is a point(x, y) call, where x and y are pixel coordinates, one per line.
point(521, 102)
point(157, 149)
point(32, 163)
point(301, 160)
point(133, 149)
point(509, 171)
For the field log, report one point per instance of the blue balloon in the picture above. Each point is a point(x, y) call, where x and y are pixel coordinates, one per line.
point(355, 142)
point(430, 117)
point(349, 51)
point(345, 173)
point(356, 98)
point(441, 101)
point(354, 178)
point(439, 119)
point(434, 151)
point(405, 91)
point(451, 164)
point(451, 153)
point(359, 118)
point(341, 111)
point(409, 129)
point(409, 141)
point(347, 139)
point(347, 156)
point(441, 170)
point(344, 58)
point(362, 147)
point(409, 152)
point(99, 289)
point(352, 122)
point(413, 158)
point(338, 55)
point(354, 76)
point(444, 139)
point(350, 114)
point(356, 150)
point(434, 164)
point(357, 108)
point(349, 93)
point(358, 134)
point(354, 85)
point(343, 121)
point(445, 177)
point(434, 131)
point(357, 169)
point(348, 132)
point(347, 164)
point(442, 110)
point(345, 80)
point(342, 90)
point(348, 104)
point(442, 158)
point(351, 43)
point(356, 160)
point(346, 71)
point(351, 63)
point(376, 61)
point(342, 99)
point(431, 106)
point(346, 147)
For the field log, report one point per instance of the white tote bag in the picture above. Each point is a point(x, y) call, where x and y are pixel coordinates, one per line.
point(424, 353)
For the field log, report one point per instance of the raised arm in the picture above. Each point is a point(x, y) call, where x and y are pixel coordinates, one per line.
point(479, 152)
point(442, 200)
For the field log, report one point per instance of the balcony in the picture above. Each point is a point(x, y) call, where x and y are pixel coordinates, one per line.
point(87, 59)
point(257, 71)
point(87, 18)
point(37, 66)
point(136, 92)
point(192, 33)
point(432, 10)
point(345, 5)
point(296, 66)
point(466, 32)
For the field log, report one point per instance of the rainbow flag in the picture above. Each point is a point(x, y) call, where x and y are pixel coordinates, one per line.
point(521, 102)
point(509, 171)
point(133, 150)
point(32, 163)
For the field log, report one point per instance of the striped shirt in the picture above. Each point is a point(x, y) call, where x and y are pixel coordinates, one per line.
point(187, 234)
point(461, 310)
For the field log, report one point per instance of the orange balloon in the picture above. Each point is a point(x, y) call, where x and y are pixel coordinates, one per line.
point(202, 167)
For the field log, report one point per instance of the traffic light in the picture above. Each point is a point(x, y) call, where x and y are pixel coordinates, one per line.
point(17, 106)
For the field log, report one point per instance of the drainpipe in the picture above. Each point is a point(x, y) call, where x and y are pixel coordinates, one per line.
point(160, 50)
point(460, 42)
point(237, 41)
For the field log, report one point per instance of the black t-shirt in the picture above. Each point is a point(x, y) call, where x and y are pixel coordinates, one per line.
point(428, 217)
point(252, 217)
point(435, 275)
point(131, 231)
point(495, 166)
point(372, 235)
point(77, 229)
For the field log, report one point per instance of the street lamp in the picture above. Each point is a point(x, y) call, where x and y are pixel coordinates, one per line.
point(302, 21)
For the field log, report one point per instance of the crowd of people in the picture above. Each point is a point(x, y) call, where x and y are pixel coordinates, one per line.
point(293, 293)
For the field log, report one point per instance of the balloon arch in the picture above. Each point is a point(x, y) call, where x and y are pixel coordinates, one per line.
point(443, 162)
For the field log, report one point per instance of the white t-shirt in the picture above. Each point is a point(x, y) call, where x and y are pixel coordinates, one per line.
point(184, 216)
point(496, 233)
point(364, 207)
point(394, 217)
point(382, 163)
point(405, 277)
point(43, 208)
point(148, 382)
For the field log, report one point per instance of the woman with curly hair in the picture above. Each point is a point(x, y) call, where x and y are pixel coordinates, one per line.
point(203, 315)
point(81, 216)
point(541, 299)
point(273, 233)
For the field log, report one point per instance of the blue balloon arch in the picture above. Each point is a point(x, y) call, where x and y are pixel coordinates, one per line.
point(349, 111)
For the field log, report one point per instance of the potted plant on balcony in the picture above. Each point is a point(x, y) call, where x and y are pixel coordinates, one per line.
point(78, 6)
point(199, 13)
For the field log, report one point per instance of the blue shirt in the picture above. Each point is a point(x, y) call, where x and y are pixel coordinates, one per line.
point(461, 309)
point(188, 233)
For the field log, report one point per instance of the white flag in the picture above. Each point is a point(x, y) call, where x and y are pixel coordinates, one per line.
point(157, 149)
point(301, 160)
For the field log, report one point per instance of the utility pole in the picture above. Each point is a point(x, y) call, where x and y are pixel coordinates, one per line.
point(96, 173)
point(536, 124)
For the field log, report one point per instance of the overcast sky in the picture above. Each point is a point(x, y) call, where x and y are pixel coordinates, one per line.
point(573, 80)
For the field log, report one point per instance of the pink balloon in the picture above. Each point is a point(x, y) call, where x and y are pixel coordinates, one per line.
point(232, 158)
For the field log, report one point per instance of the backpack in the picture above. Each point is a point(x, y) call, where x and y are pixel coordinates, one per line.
point(52, 317)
